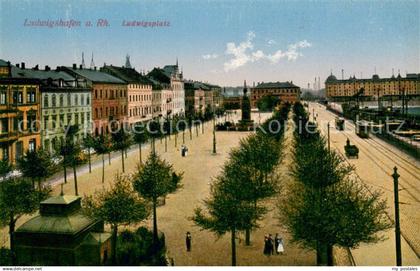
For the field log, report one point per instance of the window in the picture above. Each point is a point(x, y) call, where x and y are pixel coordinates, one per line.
point(82, 99)
point(46, 119)
point(61, 100)
point(3, 97)
point(32, 144)
point(19, 150)
point(88, 100)
point(5, 153)
point(46, 100)
point(68, 99)
point(54, 100)
point(76, 100)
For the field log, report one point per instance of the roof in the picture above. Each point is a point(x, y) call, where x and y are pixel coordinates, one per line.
point(409, 76)
point(170, 69)
point(70, 224)
point(96, 76)
point(129, 75)
point(40, 74)
point(276, 85)
point(93, 238)
point(66, 199)
point(3, 63)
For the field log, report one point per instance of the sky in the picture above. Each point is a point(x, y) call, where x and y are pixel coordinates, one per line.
point(221, 42)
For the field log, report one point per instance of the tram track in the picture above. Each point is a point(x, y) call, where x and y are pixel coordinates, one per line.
point(408, 233)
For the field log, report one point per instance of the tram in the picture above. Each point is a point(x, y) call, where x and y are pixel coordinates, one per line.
point(362, 128)
point(339, 123)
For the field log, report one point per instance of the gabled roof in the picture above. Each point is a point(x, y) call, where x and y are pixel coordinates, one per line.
point(276, 85)
point(129, 75)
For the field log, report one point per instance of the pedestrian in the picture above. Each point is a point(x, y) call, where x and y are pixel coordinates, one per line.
point(277, 242)
point(280, 247)
point(182, 150)
point(186, 151)
point(266, 246)
point(188, 241)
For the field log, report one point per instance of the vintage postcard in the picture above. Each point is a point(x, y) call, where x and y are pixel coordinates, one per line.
point(209, 133)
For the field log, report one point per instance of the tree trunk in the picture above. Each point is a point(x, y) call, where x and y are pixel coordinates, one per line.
point(65, 173)
point(233, 243)
point(109, 158)
point(75, 180)
point(90, 161)
point(322, 254)
point(190, 134)
point(122, 160)
point(141, 162)
point(12, 224)
point(183, 136)
point(166, 144)
point(114, 245)
point(33, 183)
point(248, 237)
point(330, 258)
point(155, 228)
point(202, 127)
point(103, 168)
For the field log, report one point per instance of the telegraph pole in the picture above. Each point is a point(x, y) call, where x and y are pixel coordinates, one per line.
point(397, 219)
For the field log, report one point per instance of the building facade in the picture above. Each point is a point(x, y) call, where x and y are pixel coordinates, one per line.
point(109, 98)
point(169, 80)
point(19, 112)
point(284, 91)
point(139, 91)
point(373, 88)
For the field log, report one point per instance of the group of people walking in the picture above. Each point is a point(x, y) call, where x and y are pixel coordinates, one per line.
point(271, 246)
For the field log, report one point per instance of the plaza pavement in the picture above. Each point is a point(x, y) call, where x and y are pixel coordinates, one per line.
point(199, 167)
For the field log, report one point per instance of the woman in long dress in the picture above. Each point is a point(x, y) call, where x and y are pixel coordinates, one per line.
point(280, 247)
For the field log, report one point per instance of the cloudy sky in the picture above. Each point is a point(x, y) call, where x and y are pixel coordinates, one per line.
point(222, 42)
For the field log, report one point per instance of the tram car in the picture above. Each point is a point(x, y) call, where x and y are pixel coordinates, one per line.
point(362, 128)
point(339, 123)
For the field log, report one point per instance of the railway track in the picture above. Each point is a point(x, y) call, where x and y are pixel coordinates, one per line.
point(408, 209)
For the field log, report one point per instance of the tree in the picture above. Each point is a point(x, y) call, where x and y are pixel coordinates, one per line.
point(267, 103)
point(326, 206)
point(18, 197)
point(154, 180)
point(117, 206)
point(89, 144)
point(226, 212)
point(71, 152)
point(102, 146)
point(140, 137)
point(253, 163)
point(36, 165)
point(121, 141)
point(5, 168)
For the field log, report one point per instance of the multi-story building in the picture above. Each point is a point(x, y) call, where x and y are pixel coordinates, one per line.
point(195, 97)
point(170, 82)
point(284, 91)
point(109, 97)
point(373, 88)
point(139, 90)
point(65, 101)
point(19, 112)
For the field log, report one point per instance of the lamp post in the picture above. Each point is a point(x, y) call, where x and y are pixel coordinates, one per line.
point(395, 175)
point(214, 131)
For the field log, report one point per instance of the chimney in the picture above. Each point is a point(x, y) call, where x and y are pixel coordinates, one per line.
point(23, 65)
point(80, 66)
point(47, 68)
point(94, 68)
point(74, 66)
point(36, 67)
point(17, 65)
